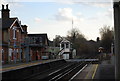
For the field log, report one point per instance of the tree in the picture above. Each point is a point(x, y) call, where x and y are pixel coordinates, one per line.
point(74, 35)
point(107, 38)
point(57, 40)
point(78, 40)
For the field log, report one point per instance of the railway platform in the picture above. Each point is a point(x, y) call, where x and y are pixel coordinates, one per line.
point(87, 72)
point(8, 67)
point(106, 70)
point(71, 69)
point(103, 71)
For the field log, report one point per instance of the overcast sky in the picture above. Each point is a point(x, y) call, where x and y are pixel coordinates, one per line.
point(55, 18)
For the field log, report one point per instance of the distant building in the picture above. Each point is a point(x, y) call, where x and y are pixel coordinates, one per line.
point(13, 33)
point(38, 44)
point(65, 49)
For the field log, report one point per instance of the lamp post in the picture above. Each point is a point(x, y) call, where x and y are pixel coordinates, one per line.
point(112, 48)
point(2, 52)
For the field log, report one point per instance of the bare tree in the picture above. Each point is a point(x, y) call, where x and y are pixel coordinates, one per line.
point(75, 34)
point(77, 39)
point(107, 37)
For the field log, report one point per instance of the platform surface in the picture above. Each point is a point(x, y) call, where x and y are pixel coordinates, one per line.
point(8, 67)
point(105, 70)
point(87, 73)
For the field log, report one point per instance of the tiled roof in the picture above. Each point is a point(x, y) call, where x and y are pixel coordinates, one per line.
point(7, 23)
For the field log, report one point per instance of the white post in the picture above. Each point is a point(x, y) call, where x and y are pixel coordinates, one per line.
point(69, 45)
point(64, 45)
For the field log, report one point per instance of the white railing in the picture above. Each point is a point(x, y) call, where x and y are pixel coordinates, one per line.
point(61, 52)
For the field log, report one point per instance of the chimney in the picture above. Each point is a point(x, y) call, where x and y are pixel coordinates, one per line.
point(2, 6)
point(24, 28)
point(5, 12)
point(7, 6)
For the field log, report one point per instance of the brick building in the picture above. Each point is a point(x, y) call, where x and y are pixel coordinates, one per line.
point(13, 34)
point(38, 45)
point(24, 35)
point(16, 45)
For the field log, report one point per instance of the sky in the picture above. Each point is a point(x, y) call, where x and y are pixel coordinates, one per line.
point(55, 17)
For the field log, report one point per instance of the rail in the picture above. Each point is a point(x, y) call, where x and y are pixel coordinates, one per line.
point(67, 72)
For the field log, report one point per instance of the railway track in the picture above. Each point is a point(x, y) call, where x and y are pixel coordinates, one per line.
point(44, 74)
point(67, 72)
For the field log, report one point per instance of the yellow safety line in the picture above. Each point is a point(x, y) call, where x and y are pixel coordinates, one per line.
point(86, 77)
point(94, 71)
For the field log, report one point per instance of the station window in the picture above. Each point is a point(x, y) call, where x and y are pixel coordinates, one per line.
point(67, 45)
point(14, 34)
point(62, 45)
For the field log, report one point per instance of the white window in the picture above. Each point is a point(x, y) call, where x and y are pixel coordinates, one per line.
point(14, 32)
point(17, 50)
point(2, 51)
point(40, 40)
point(10, 52)
point(62, 45)
point(67, 45)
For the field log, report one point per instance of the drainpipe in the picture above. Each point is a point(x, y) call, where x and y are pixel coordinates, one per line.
point(27, 49)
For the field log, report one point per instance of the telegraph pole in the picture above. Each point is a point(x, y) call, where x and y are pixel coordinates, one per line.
point(72, 23)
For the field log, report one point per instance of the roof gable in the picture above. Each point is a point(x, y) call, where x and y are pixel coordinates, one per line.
point(9, 23)
point(65, 40)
